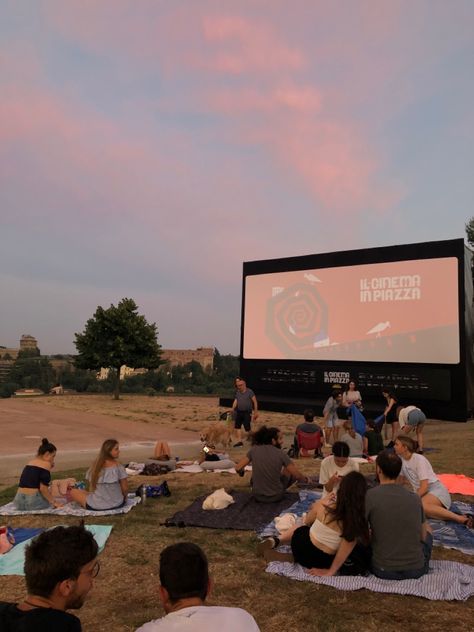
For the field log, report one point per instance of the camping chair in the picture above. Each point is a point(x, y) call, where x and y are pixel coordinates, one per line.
point(308, 441)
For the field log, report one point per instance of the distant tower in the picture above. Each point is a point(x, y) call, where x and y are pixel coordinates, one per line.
point(28, 342)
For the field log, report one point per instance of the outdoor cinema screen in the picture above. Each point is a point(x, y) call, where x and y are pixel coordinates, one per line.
point(402, 311)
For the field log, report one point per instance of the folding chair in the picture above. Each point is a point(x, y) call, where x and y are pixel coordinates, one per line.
point(308, 441)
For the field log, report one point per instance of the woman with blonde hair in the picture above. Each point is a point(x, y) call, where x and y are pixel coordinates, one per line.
point(417, 471)
point(108, 485)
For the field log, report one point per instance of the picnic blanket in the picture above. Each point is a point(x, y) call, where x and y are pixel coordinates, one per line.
point(245, 514)
point(12, 563)
point(195, 468)
point(71, 509)
point(449, 535)
point(447, 581)
point(458, 483)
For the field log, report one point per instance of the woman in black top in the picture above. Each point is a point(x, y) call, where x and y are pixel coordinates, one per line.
point(33, 489)
point(390, 414)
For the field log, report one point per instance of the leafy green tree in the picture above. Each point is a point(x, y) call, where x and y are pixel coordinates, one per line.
point(470, 232)
point(117, 336)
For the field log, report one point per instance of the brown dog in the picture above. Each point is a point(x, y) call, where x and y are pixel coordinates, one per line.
point(217, 433)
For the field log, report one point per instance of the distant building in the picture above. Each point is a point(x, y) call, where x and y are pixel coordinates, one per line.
point(8, 355)
point(28, 342)
point(171, 358)
point(203, 355)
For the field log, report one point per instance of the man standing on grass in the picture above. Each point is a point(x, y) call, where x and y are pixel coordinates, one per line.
point(244, 408)
point(60, 565)
point(401, 538)
point(184, 587)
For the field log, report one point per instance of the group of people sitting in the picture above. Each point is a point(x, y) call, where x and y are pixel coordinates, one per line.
point(351, 530)
point(108, 484)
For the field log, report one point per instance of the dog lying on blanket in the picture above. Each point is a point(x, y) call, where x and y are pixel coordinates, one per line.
point(217, 433)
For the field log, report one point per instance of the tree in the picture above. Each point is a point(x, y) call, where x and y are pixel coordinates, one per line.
point(470, 232)
point(117, 336)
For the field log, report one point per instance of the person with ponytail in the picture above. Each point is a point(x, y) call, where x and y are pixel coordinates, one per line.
point(33, 489)
point(108, 485)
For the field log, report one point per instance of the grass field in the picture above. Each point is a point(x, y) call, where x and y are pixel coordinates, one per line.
point(125, 592)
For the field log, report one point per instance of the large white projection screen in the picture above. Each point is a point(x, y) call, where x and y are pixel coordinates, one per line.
point(404, 311)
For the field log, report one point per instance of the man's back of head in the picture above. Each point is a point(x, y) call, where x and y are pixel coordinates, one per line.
point(184, 572)
point(389, 464)
point(308, 414)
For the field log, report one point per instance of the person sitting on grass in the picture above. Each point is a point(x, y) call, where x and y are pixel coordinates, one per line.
point(33, 489)
point(417, 471)
point(401, 539)
point(60, 565)
point(335, 535)
point(335, 467)
point(184, 588)
point(353, 439)
point(272, 469)
point(309, 427)
point(373, 440)
point(108, 485)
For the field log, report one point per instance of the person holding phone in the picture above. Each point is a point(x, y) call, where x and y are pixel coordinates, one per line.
point(335, 467)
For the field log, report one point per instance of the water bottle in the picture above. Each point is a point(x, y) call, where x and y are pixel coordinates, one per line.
point(144, 488)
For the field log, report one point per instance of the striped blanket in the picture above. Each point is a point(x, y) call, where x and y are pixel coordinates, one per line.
point(447, 581)
point(71, 509)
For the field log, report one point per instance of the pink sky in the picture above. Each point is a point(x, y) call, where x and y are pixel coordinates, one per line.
point(147, 150)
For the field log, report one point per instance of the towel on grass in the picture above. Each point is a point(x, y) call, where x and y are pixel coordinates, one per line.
point(449, 535)
point(71, 509)
point(446, 581)
point(244, 514)
point(458, 483)
point(12, 562)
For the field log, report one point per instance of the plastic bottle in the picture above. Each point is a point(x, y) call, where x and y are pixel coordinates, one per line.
point(144, 487)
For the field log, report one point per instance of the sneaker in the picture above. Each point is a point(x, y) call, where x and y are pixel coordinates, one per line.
point(264, 546)
point(239, 444)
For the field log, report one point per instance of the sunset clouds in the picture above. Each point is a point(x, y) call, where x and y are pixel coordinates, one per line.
point(147, 149)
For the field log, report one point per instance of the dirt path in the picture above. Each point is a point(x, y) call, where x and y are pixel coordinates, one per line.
point(77, 435)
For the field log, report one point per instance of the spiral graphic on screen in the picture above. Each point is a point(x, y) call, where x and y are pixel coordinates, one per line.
point(297, 318)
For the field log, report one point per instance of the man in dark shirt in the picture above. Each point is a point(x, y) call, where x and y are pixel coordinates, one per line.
point(401, 538)
point(60, 565)
point(308, 426)
point(244, 408)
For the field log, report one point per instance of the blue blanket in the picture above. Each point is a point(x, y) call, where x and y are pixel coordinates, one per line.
point(12, 563)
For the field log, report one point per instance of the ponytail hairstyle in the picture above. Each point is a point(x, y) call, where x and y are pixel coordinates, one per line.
point(45, 447)
point(98, 465)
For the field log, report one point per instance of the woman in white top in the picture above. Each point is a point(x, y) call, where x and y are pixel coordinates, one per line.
point(335, 534)
point(417, 471)
point(352, 396)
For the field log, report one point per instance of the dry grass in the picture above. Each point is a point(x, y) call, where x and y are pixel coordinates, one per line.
point(125, 593)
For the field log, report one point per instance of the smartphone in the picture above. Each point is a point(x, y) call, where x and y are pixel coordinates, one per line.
point(206, 449)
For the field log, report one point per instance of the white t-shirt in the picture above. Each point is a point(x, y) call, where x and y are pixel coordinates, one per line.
point(329, 468)
point(349, 397)
point(417, 468)
point(204, 619)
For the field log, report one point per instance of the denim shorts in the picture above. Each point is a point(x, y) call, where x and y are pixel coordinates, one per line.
point(439, 490)
point(30, 502)
point(416, 417)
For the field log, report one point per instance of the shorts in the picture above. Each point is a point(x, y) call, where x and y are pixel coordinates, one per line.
point(439, 490)
point(242, 418)
point(333, 421)
point(30, 502)
point(305, 553)
point(416, 417)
